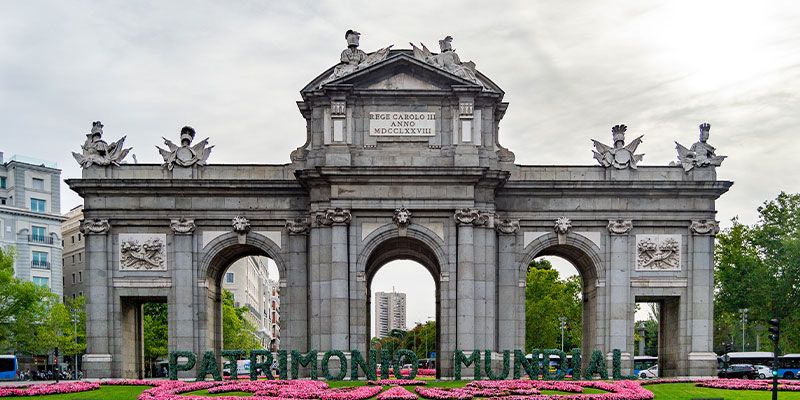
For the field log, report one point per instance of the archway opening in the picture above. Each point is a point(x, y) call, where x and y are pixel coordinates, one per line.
point(403, 300)
point(646, 339)
point(553, 305)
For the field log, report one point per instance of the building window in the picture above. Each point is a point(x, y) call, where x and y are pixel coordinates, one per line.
point(38, 184)
point(37, 205)
point(80, 294)
point(80, 257)
point(80, 276)
point(73, 259)
point(229, 277)
point(73, 239)
point(2, 200)
point(73, 296)
point(2, 183)
point(79, 237)
point(41, 281)
point(38, 234)
point(73, 278)
point(39, 260)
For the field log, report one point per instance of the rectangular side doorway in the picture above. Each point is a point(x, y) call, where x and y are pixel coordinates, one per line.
point(144, 336)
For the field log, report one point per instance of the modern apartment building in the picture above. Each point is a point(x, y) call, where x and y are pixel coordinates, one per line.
point(390, 312)
point(73, 258)
point(249, 281)
point(30, 219)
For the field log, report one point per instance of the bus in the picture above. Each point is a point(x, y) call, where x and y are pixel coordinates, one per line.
point(750, 357)
point(641, 363)
point(789, 366)
point(8, 367)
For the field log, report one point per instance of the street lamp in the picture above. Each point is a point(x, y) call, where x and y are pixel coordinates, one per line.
point(642, 333)
point(563, 321)
point(75, 327)
point(743, 311)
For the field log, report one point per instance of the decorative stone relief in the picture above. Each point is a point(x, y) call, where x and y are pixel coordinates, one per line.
point(402, 217)
point(658, 252)
point(241, 225)
point(562, 225)
point(704, 227)
point(507, 226)
point(185, 155)
point(471, 216)
point(354, 59)
point(447, 59)
point(336, 216)
point(297, 226)
point(182, 226)
point(142, 252)
point(94, 226)
point(701, 154)
point(618, 155)
point(619, 226)
point(96, 151)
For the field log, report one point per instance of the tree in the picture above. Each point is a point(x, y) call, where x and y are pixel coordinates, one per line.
point(547, 297)
point(758, 267)
point(237, 331)
point(155, 332)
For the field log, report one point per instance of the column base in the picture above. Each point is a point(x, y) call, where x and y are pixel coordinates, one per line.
point(702, 364)
point(96, 365)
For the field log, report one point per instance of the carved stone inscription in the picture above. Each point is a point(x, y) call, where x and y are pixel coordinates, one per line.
point(402, 123)
point(658, 252)
point(142, 252)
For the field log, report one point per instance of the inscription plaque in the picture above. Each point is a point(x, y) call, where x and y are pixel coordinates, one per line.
point(402, 123)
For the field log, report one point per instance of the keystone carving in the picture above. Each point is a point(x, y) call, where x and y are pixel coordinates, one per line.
point(241, 225)
point(94, 226)
point(507, 226)
point(402, 217)
point(562, 225)
point(96, 151)
point(182, 226)
point(620, 226)
point(704, 227)
point(336, 216)
point(471, 216)
point(298, 226)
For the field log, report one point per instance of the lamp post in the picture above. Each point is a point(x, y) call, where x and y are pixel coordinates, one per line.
point(743, 311)
point(642, 332)
point(563, 321)
point(75, 327)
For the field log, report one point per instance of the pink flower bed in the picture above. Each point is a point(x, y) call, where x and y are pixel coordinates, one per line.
point(397, 382)
point(426, 372)
point(746, 384)
point(358, 393)
point(531, 390)
point(44, 389)
point(397, 393)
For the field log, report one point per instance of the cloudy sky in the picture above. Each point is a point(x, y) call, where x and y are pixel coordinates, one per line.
point(570, 70)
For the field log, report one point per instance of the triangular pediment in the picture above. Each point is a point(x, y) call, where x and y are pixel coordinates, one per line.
point(400, 71)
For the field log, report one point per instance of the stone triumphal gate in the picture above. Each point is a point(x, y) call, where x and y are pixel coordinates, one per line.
point(401, 161)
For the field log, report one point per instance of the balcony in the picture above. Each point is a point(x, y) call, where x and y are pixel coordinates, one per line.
point(40, 239)
point(40, 264)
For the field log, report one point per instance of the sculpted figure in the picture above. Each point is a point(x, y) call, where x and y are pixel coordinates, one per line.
point(447, 59)
point(619, 156)
point(185, 155)
point(354, 59)
point(97, 151)
point(701, 154)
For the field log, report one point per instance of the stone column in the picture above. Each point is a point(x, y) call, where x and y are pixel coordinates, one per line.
point(621, 317)
point(702, 359)
point(511, 297)
point(339, 220)
point(98, 358)
point(294, 325)
point(180, 307)
point(466, 219)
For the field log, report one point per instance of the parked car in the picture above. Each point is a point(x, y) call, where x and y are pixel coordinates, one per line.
point(649, 373)
point(763, 371)
point(744, 371)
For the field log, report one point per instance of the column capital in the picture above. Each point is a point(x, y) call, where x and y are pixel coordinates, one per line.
point(619, 226)
point(507, 226)
point(182, 226)
point(334, 216)
point(298, 226)
point(471, 216)
point(95, 226)
point(704, 227)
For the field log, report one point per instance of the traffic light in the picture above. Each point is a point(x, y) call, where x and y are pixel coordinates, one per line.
point(728, 347)
point(775, 330)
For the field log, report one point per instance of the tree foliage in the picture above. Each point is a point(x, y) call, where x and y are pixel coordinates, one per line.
point(547, 297)
point(758, 268)
point(237, 331)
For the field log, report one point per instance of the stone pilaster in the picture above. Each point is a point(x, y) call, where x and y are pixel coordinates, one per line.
point(621, 316)
point(701, 357)
point(97, 362)
point(466, 220)
point(294, 312)
point(339, 221)
point(181, 309)
point(511, 300)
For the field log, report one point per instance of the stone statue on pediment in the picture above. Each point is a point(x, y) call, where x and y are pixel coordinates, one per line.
point(185, 155)
point(701, 154)
point(353, 59)
point(97, 151)
point(619, 155)
point(447, 59)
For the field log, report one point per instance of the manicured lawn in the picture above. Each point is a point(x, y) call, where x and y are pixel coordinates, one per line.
point(666, 391)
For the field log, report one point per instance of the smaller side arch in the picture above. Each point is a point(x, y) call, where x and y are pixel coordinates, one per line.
point(225, 249)
point(581, 251)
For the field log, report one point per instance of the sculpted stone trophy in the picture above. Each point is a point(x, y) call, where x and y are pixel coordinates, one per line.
point(619, 156)
point(701, 154)
point(353, 59)
point(97, 151)
point(185, 155)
